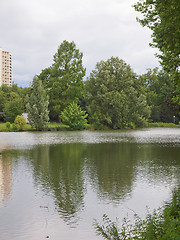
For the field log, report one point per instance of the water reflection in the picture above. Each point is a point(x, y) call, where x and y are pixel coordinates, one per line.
point(82, 175)
point(159, 163)
point(59, 171)
point(5, 177)
point(111, 169)
point(63, 170)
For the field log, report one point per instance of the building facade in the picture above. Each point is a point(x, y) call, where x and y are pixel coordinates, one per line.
point(5, 68)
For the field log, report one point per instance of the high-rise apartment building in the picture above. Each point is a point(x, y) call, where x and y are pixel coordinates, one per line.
point(5, 68)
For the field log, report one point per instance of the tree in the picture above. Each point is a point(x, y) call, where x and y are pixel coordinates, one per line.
point(74, 117)
point(64, 79)
point(8, 94)
point(13, 107)
point(160, 94)
point(37, 105)
point(20, 122)
point(114, 96)
point(163, 18)
point(1, 101)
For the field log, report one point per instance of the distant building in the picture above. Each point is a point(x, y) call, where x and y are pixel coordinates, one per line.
point(5, 68)
point(25, 116)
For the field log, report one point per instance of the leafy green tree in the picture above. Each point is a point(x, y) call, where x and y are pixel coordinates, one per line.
point(74, 117)
point(64, 79)
point(8, 94)
point(13, 107)
point(37, 105)
point(163, 18)
point(114, 98)
point(20, 122)
point(160, 94)
point(1, 101)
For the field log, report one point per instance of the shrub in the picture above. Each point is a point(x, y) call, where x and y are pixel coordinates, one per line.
point(20, 122)
point(162, 224)
point(15, 128)
point(8, 126)
point(74, 117)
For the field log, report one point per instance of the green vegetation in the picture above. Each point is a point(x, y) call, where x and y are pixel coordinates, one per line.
point(112, 97)
point(162, 17)
point(111, 91)
point(8, 126)
point(50, 127)
point(64, 79)
point(13, 107)
point(37, 106)
point(162, 124)
point(74, 117)
point(20, 122)
point(162, 224)
point(160, 93)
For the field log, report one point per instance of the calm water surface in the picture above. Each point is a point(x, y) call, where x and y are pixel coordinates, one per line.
point(55, 184)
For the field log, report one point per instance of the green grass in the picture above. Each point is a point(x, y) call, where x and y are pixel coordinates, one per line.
point(3, 127)
point(53, 126)
point(161, 124)
point(56, 125)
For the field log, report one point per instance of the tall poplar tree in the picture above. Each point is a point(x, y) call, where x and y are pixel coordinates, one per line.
point(37, 106)
point(64, 79)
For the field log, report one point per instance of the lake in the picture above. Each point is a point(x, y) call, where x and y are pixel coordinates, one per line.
point(54, 184)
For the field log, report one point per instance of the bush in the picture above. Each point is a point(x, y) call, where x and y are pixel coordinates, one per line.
point(15, 128)
point(162, 224)
point(8, 126)
point(74, 117)
point(20, 122)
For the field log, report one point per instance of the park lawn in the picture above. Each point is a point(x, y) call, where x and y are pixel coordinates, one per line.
point(161, 124)
point(51, 127)
point(3, 127)
point(56, 125)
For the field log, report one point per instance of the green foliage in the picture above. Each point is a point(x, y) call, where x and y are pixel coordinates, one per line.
point(20, 122)
point(13, 108)
point(162, 224)
point(12, 101)
point(162, 17)
point(8, 126)
point(161, 124)
point(161, 92)
point(1, 101)
point(15, 128)
point(74, 117)
point(37, 106)
point(64, 79)
point(115, 97)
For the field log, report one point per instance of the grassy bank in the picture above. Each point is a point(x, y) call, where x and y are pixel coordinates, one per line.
point(161, 124)
point(53, 126)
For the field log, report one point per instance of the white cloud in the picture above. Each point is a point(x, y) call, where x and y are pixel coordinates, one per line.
point(33, 30)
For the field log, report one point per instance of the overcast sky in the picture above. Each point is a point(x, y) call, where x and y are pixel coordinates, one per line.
point(32, 30)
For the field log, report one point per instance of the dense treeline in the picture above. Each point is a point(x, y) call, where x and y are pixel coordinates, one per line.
point(112, 96)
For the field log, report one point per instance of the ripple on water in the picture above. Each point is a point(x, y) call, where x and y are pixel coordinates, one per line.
point(29, 139)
